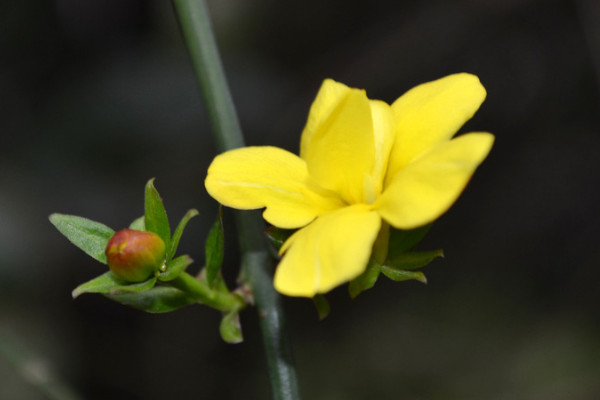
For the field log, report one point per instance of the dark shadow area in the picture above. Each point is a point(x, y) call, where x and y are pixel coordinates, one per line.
point(98, 97)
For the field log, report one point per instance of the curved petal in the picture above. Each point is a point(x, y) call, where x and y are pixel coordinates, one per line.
point(330, 94)
point(428, 186)
point(256, 177)
point(337, 142)
point(333, 249)
point(383, 134)
point(430, 113)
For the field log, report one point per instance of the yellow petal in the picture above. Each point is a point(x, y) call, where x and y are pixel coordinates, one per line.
point(337, 142)
point(383, 135)
point(328, 98)
point(427, 187)
point(430, 113)
point(333, 249)
point(256, 177)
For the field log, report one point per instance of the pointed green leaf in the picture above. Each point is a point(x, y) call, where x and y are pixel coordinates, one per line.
point(109, 283)
point(364, 281)
point(86, 234)
point(214, 249)
point(414, 259)
point(278, 236)
point(138, 224)
point(155, 215)
point(175, 267)
point(178, 231)
point(159, 299)
point(399, 275)
point(401, 241)
point(230, 328)
point(322, 305)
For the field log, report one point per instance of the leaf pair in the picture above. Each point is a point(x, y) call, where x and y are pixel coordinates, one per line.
point(401, 262)
point(156, 220)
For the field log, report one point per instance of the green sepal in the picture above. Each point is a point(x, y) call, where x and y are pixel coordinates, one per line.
point(90, 236)
point(278, 236)
point(413, 260)
point(179, 231)
point(155, 215)
point(364, 281)
point(230, 328)
point(214, 250)
point(322, 306)
point(109, 283)
point(400, 275)
point(402, 241)
point(175, 267)
point(159, 299)
point(138, 224)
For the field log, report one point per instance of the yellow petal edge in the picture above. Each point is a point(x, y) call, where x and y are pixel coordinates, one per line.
point(333, 249)
point(432, 112)
point(428, 186)
point(256, 177)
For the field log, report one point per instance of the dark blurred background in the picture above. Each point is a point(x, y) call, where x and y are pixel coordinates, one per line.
point(99, 96)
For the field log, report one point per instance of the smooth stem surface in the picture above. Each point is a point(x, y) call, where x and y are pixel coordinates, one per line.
point(203, 293)
point(257, 265)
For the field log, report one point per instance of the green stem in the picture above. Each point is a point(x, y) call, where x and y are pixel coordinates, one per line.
point(197, 31)
point(204, 294)
point(272, 323)
point(257, 265)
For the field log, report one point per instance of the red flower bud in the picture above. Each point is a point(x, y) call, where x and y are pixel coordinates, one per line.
point(135, 255)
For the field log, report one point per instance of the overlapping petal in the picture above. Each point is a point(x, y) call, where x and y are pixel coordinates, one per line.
point(330, 94)
point(384, 133)
point(427, 187)
point(256, 177)
point(337, 142)
point(333, 249)
point(430, 113)
point(360, 161)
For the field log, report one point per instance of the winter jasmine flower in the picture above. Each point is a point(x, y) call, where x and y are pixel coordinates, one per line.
point(362, 164)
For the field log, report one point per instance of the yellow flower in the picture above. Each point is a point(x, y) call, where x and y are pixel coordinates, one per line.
point(361, 162)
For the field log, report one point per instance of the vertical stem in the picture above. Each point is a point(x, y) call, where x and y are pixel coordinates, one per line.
point(197, 31)
point(257, 265)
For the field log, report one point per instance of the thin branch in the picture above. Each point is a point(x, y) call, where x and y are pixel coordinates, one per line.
point(257, 264)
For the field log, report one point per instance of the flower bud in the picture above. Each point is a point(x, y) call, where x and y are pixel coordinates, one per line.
point(135, 255)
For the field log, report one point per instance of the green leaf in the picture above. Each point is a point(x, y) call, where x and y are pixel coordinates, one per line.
point(322, 305)
point(175, 267)
point(414, 259)
point(91, 237)
point(230, 328)
point(178, 231)
point(401, 241)
point(399, 275)
point(364, 281)
point(109, 283)
point(214, 249)
point(155, 215)
point(278, 236)
point(159, 299)
point(138, 224)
